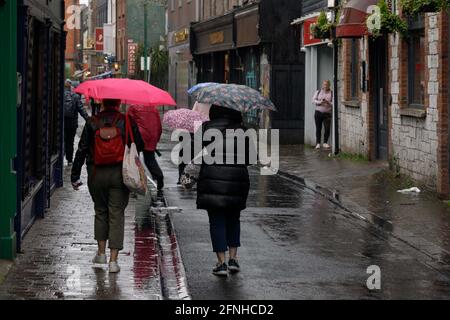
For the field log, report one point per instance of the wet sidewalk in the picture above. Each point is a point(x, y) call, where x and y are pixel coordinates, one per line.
point(57, 253)
point(369, 191)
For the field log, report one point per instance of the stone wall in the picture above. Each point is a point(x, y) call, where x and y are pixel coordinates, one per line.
point(414, 138)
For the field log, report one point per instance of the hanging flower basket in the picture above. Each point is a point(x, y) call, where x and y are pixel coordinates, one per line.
point(389, 22)
point(415, 7)
point(320, 33)
point(323, 29)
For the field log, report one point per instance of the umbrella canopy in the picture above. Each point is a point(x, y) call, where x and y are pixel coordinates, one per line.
point(196, 89)
point(202, 108)
point(352, 23)
point(236, 97)
point(128, 91)
point(185, 119)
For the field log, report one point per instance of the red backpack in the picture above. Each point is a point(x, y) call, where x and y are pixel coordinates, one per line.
point(108, 146)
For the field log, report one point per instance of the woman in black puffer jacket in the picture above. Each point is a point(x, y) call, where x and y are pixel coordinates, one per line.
point(223, 190)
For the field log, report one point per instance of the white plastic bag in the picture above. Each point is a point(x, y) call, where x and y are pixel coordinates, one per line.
point(133, 171)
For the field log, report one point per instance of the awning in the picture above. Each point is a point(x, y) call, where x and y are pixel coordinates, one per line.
point(352, 22)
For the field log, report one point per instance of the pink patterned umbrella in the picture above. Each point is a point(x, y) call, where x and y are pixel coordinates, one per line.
point(184, 119)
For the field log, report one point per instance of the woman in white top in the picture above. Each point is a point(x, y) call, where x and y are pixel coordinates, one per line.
point(323, 100)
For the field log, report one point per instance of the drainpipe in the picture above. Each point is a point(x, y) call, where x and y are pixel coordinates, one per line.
point(336, 145)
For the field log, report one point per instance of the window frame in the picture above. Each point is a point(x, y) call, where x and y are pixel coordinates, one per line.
point(355, 88)
point(416, 29)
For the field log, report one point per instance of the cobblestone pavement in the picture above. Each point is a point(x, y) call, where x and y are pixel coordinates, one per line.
point(56, 262)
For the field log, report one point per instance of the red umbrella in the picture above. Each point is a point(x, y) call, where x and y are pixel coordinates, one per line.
point(127, 90)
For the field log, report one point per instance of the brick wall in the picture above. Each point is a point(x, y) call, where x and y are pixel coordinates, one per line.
point(415, 140)
point(353, 127)
point(73, 38)
point(418, 144)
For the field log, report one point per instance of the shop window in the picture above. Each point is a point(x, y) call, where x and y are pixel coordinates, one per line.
point(354, 70)
point(416, 63)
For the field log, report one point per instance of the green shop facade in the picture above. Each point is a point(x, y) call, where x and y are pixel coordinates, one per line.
point(31, 126)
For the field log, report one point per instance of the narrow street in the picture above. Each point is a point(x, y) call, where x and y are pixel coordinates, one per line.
point(296, 244)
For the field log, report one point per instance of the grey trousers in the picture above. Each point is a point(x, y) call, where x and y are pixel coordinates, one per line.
point(110, 198)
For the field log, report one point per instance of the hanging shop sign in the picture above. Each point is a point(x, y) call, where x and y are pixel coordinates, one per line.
point(99, 39)
point(132, 56)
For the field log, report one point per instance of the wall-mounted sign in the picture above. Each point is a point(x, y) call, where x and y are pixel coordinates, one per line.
point(99, 39)
point(132, 56)
point(182, 35)
point(308, 37)
point(216, 37)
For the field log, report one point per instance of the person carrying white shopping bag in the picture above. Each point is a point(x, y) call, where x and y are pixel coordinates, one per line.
point(133, 171)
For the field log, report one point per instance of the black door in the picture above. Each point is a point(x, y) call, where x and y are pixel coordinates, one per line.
point(288, 94)
point(378, 62)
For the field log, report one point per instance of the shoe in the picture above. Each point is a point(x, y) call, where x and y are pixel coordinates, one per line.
point(99, 259)
point(160, 195)
point(318, 147)
point(326, 146)
point(221, 269)
point(114, 267)
point(233, 266)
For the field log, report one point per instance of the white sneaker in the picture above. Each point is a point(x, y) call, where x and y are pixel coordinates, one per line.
point(318, 147)
point(99, 259)
point(326, 146)
point(114, 267)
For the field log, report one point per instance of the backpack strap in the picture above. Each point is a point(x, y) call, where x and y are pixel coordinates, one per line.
point(128, 129)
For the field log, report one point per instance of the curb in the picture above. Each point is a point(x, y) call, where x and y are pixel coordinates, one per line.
point(171, 267)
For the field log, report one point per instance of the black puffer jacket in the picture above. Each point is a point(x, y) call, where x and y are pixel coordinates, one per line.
point(223, 186)
point(85, 147)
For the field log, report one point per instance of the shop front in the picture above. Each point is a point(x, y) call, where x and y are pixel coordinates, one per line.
point(40, 152)
point(181, 68)
point(319, 66)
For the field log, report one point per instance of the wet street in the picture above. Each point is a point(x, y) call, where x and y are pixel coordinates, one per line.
point(296, 244)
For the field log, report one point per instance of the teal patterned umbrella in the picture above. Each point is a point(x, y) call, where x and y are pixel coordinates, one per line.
point(236, 97)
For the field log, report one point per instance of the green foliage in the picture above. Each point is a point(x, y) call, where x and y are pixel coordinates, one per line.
point(415, 7)
point(390, 22)
point(323, 29)
point(159, 67)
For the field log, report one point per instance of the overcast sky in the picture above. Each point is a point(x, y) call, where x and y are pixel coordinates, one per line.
point(84, 2)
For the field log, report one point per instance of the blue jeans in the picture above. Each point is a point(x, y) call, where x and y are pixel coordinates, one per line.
point(225, 229)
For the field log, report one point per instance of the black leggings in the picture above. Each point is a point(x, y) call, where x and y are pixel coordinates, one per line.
point(325, 119)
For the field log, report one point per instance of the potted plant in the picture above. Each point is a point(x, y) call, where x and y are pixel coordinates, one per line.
point(323, 29)
point(414, 7)
point(389, 22)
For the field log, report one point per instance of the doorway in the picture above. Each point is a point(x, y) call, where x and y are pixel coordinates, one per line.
point(378, 62)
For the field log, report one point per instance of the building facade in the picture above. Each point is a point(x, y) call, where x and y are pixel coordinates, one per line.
point(73, 42)
point(319, 62)
point(132, 16)
point(182, 75)
point(8, 129)
point(40, 68)
point(253, 43)
point(393, 103)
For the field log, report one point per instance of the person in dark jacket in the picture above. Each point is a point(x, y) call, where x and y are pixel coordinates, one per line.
point(72, 107)
point(223, 190)
point(105, 182)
